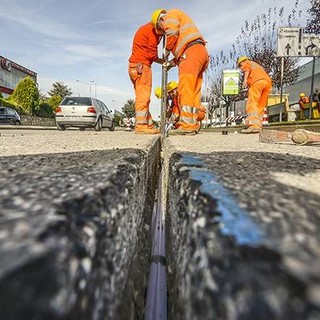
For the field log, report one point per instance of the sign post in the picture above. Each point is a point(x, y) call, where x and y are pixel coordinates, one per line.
point(230, 85)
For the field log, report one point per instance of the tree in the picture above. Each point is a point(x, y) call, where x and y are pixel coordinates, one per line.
point(313, 23)
point(117, 120)
point(59, 89)
point(54, 102)
point(129, 108)
point(47, 106)
point(25, 95)
point(42, 96)
point(44, 110)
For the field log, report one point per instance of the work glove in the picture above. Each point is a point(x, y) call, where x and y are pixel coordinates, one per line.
point(168, 65)
point(244, 88)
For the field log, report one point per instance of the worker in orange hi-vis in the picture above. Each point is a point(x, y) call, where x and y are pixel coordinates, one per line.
point(304, 104)
point(173, 109)
point(144, 53)
point(259, 84)
point(185, 42)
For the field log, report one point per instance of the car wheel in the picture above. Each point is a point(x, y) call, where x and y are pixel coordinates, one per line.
point(82, 128)
point(17, 122)
point(61, 127)
point(98, 125)
point(112, 126)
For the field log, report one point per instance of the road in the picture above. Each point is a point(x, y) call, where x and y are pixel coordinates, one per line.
point(243, 216)
point(19, 142)
point(23, 142)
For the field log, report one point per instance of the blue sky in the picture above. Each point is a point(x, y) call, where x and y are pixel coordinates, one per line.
point(66, 40)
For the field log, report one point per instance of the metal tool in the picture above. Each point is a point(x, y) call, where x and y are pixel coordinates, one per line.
point(164, 94)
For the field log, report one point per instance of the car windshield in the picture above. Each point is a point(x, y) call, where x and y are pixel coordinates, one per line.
point(75, 101)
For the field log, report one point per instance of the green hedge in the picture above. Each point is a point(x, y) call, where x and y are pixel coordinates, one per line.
point(5, 103)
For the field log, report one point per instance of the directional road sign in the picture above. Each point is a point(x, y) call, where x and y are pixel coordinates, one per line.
point(311, 45)
point(289, 42)
point(293, 42)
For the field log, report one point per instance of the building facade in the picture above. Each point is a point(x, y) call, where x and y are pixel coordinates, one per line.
point(11, 73)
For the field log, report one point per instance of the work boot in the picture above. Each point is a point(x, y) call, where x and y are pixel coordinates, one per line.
point(198, 130)
point(181, 131)
point(146, 130)
point(250, 130)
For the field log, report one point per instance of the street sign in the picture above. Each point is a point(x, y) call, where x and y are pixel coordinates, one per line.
point(293, 42)
point(311, 45)
point(230, 82)
point(289, 42)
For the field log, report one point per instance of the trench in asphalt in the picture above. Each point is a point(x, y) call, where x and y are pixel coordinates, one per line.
point(157, 293)
point(156, 302)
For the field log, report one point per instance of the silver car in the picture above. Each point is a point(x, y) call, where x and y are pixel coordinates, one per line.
point(84, 112)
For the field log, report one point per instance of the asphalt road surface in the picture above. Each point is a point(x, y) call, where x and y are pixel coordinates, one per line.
point(277, 186)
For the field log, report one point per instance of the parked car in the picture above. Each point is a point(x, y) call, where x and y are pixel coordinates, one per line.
point(84, 112)
point(9, 115)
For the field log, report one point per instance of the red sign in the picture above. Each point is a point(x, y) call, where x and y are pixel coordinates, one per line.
point(7, 65)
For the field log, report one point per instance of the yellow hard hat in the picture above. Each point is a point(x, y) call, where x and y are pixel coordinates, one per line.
point(302, 95)
point(241, 59)
point(172, 85)
point(158, 92)
point(155, 16)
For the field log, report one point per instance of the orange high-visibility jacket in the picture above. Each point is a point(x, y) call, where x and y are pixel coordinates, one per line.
point(180, 31)
point(145, 45)
point(256, 72)
point(303, 101)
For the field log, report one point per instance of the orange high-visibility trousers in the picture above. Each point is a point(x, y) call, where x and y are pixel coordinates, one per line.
point(257, 101)
point(142, 87)
point(192, 65)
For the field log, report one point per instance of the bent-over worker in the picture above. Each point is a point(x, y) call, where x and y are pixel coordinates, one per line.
point(186, 43)
point(259, 84)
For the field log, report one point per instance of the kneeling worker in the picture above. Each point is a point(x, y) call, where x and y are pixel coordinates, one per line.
point(173, 109)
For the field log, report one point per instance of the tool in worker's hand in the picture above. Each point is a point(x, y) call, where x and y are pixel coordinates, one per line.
point(299, 136)
point(164, 80)
point(168, 65)
point(165, 53)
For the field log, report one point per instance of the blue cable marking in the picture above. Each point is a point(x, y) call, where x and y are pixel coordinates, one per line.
point(234, 221)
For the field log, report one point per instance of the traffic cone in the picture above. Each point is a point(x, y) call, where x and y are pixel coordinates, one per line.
point(265, 121)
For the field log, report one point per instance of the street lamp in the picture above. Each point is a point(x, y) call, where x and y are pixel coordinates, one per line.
point(95, 87)
point(88, 84)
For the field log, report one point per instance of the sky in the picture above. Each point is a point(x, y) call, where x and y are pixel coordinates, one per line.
point(90, 40)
